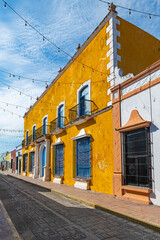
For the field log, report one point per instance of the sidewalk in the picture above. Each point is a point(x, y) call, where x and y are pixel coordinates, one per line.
point(147, 215)
point(7, 230)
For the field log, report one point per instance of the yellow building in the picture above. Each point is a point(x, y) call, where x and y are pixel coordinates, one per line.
point(8, 162)
point(68, 132)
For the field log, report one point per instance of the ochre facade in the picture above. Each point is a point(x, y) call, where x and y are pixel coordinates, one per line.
point(97, 53)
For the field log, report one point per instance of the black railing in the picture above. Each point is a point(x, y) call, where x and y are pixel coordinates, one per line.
point(59, 122)
point(27, 141)
point(86, 107)
point(44, 130)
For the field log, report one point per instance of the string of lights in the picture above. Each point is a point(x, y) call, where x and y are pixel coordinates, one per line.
point(132, 10)
point(23, 93)
point(26, 23)
point(22, 77)
point(15, 105)
point(12, 113)
point(6, 135)
point(11, 130)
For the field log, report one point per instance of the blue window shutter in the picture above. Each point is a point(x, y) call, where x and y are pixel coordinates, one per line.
point(59, 160)
point(83, 157)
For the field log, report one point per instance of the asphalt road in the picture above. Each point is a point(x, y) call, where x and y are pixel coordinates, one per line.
point(40, 214)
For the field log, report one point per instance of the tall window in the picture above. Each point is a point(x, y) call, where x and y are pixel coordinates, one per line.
point(45, 125)
point(83, 103)
point(27, 133)
point(83, 158)
point(34, 132)
point(59, 160)
point(60, 122)
point(137, 158)
point(31, 161)
point(25, 156)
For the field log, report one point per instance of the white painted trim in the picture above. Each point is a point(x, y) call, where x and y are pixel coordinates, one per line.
point(81, 134)
point(43, 145)
point(59, 141)
point(61, 103)
point(46, 116)
point(87, 83)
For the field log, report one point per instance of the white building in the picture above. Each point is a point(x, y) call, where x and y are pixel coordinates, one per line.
point(136, 129)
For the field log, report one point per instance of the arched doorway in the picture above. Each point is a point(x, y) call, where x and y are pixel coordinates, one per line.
point(43, 160)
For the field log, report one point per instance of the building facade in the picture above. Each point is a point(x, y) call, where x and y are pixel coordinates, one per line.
point(68, 132)
point(136, 133)
point(19, 159)
point(13, 161)
point(8, 163)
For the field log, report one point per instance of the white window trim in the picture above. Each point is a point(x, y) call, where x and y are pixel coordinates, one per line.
point(33, 127)
point(46, 116)
point(87, 83)
point(81, 134)
point(59, 141)
point(61, 103)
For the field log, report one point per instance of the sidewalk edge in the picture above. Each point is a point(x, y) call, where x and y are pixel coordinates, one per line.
point(99, 207)
point(16, 235)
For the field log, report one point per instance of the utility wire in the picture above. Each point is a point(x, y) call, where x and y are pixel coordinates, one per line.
point(10, 130)
point(19, 77)
point(52, 43)
point(133, 10)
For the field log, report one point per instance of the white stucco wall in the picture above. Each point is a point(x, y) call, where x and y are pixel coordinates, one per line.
point(147, 103)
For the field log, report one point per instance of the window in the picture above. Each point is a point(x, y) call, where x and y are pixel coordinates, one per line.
point(27, 132)
point(83, 158)
point(60, 122)
point(137, 158)
point(45, 125)
point(59, 160)
point(16, 163)
point(25, 156)
point(34, 132)
point(83, 103)
point(31, 161)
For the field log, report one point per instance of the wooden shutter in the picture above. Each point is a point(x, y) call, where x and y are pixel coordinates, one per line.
point(74, 159)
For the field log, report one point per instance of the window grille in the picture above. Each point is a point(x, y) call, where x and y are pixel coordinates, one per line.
point(137, 164)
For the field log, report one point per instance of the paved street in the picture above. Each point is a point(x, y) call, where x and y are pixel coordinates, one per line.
point(39, 214)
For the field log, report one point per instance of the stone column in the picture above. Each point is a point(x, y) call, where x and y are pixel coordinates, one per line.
point(47, 173)
point(36, 165)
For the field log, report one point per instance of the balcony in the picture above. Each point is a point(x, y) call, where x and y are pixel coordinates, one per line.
point(42, 131)
point(82, 112)
point(57, 125)
point(26, 142)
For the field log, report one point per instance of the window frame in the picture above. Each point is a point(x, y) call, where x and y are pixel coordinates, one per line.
point(147, 156)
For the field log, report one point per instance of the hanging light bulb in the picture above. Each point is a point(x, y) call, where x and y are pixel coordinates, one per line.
point(32, 80)
point(19, 77)
point(20, 93)
point(13, 75)
point(25, 23)
point(8, 87)
point(16, 106)
point(31, 98)
point(101, 74)
point(10, 75)
point(150, 17)
point(58, 49)
point(43, 38)
point(92, 70)
point(129, 12)
point(5, 4)
point(83, 65)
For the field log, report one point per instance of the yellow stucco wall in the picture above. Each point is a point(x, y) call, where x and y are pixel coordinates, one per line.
point(138, 50)
point(100, 127)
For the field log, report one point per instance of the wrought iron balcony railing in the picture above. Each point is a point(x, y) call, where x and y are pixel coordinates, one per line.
point(59, 122)
point(44, 130)
point(27, 141)
point(86, 107)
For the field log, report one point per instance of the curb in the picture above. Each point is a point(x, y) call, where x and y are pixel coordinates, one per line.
point(130, 218)
point(16, 236)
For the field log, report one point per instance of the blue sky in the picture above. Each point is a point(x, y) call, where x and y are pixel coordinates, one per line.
point(23, 52)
